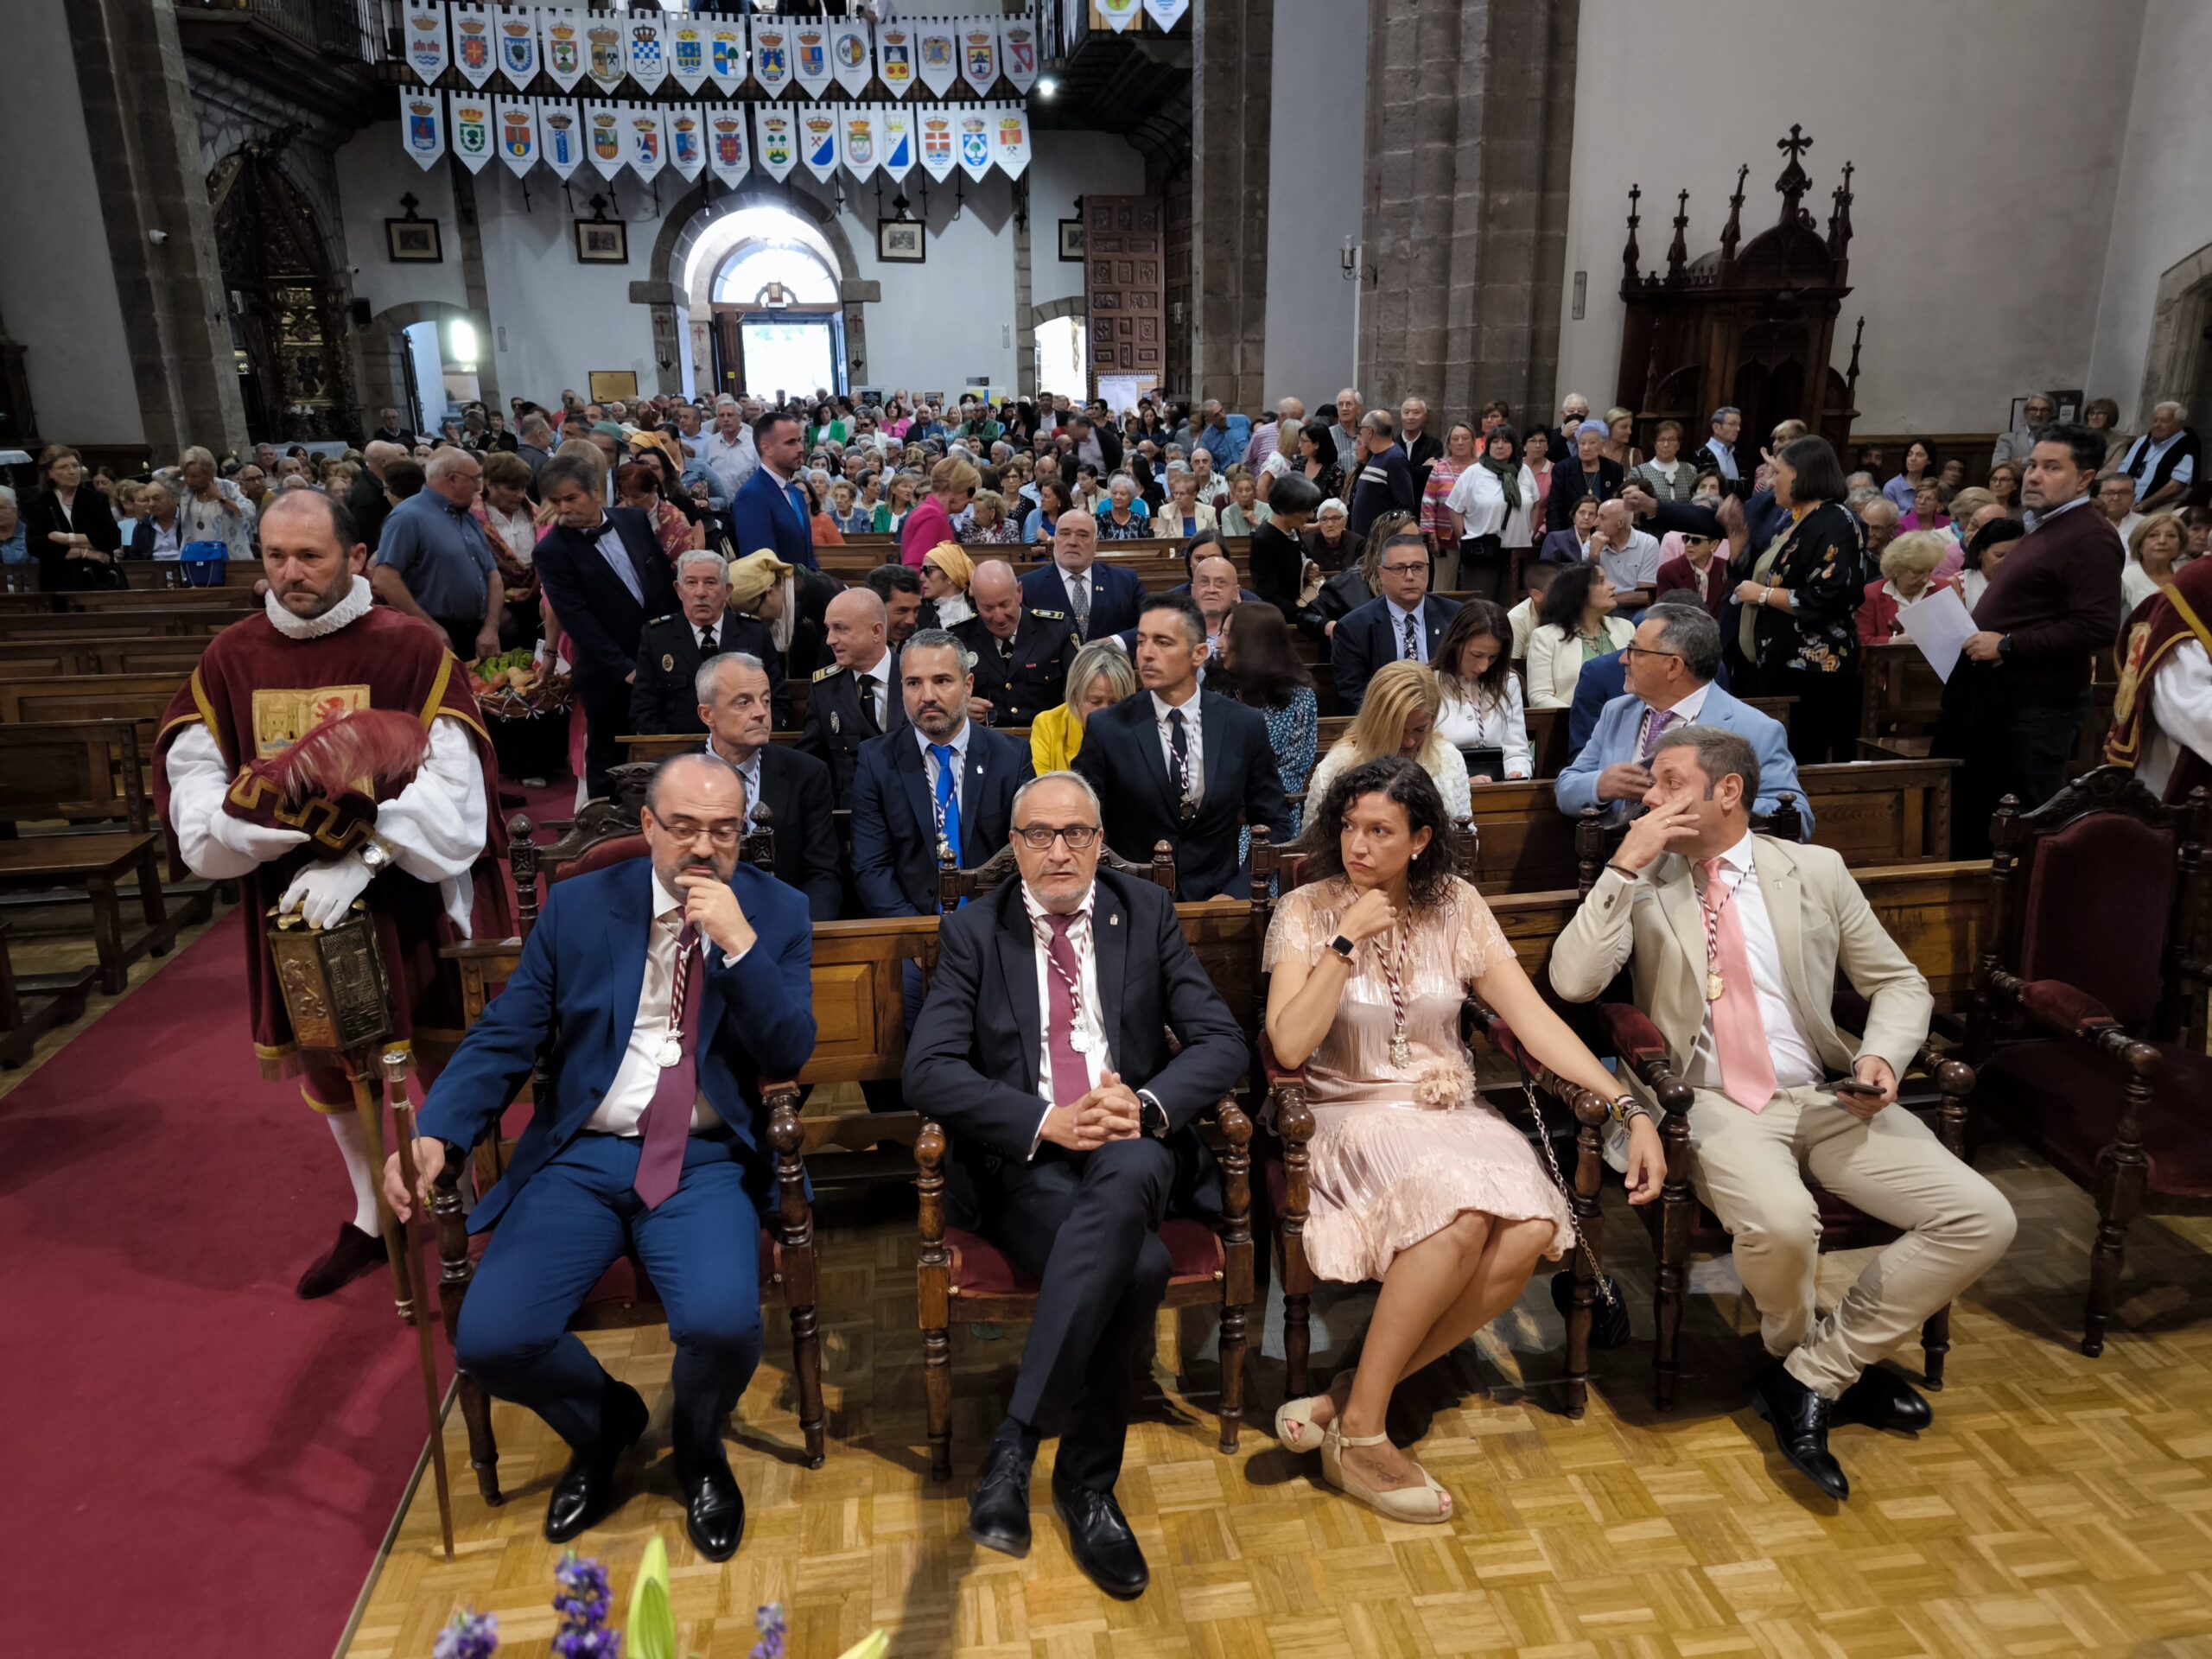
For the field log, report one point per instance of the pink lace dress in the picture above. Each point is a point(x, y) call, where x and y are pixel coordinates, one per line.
point(1398, 1150)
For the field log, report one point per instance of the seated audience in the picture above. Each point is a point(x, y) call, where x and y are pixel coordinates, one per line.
point(789, 790)
point(946, 572)
point(1628, 556)
point(662, 695)
point(1570, 544)
point(1260, 668)
point(1399, 718)
point(1070, 1167)
point(898, 501)
point(2154, 553)
point(1575, 624)
point(1330, 542)
point(899, 587)
point(1986, 550)
point(1100, 676)
point(857, 696)
point(1021, 655)
point(988, 522)
point(1928, 503)
point(1245, 512)
point(1099, 599)
point(160, 533)
point(1126, 520)
point(1415, 1180)
point(1700, 569)
point(1780, 1090)
point(1536, 579)
point(2162, 464)
point(1405, 622)
point(1186, 514)
point(1908, 566)
point(1481, 714)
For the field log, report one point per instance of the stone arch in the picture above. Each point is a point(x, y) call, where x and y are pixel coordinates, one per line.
point(1053, 310)
point(382, 378)
point(2179, 363)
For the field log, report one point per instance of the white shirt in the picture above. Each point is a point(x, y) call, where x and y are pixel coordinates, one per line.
point(1479, 499)
point(1194, 742)
point(2181, 714)
point(731, 459)
point(876, 683)
point(1077, 582)
point(1499, 723)
point(623, 1107)
point(617, 555)
point(1795, 1065)
point(749, 770)
point(1398, 631)
point(1095, 1060)
point(1685, 713)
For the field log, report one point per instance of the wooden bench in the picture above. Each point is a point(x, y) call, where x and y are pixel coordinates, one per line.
point(97, 863)
point(46, 626)
point(141, 698)
point(1900, 696)
point(21, 659)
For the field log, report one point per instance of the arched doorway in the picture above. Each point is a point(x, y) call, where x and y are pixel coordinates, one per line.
point(287, 314)
point(417, 357)
point(772, 284)
point(2179, 363)
point(1063, 348)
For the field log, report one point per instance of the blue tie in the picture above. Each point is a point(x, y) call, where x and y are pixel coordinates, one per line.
point(948, 798)
point(797, 498)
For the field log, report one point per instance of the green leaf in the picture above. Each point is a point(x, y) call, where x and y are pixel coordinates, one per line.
point(651, 1633)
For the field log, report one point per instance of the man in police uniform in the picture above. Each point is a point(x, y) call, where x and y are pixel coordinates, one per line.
point(857, 696)
point(670, 649)
point(1022, 656)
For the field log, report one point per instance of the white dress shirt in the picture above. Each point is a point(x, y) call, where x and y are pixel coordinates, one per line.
point(1194, 743)
point(1398, 631)
point(622, 1108)
point(2180, 714)
point(1095, 1060)
point(616, 552)
point(749, 770)
point(876, 683)
point(732, 461)
point(1077, 583)
point(1685, 713)
point(1795, 1065)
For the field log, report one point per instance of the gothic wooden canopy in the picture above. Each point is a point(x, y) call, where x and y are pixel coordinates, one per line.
point(288, 316)
point(1751, 326)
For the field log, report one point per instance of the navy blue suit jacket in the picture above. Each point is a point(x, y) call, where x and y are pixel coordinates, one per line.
point(603, 622)
point(761, 515)
point(575, 996)
point(1116, 596)
point(895, 815)
point(1363, 642)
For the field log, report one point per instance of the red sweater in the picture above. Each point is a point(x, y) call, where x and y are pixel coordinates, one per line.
point(2057, 595)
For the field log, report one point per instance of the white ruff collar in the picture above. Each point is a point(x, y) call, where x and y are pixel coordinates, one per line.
point(350, 609)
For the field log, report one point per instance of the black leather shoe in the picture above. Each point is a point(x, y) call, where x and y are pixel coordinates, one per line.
point(1100, 1540)
point(714, 1511)
point(355, 1254)
point(998, 1504)
point(1801, 1427)
point(1609, 1321)
point(1882, 1399)
point(585, 1491)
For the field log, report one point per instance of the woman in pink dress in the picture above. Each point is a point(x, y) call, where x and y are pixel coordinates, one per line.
point(1415, 1180)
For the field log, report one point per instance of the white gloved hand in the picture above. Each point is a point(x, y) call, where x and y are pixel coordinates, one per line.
point(251, 840)
point(322, 892)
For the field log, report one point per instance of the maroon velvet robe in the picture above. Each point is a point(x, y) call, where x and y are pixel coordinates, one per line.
point(2168, 618)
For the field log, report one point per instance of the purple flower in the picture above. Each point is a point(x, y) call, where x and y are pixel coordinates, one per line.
point(589, 1643)
point(581, 1598)
point(471, 1636)
point(773, 1627)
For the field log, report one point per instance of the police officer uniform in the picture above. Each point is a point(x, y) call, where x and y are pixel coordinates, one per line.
point(1022, 677)
point(838, 721)
point(664, 697)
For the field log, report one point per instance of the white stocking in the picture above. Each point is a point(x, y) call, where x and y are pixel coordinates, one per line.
point(353, 1147)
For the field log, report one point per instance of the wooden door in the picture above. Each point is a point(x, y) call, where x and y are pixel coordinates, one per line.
point(1125, 287)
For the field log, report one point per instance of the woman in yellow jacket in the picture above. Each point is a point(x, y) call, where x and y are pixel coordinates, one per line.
point(1099, 677)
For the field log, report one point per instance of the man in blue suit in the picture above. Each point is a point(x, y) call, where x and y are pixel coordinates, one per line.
point(1603, 678)
point(1405, 620)
point(942, 781)
point(667, 988)
point(1670, 665)
point(770, 509)
point(1099, 599)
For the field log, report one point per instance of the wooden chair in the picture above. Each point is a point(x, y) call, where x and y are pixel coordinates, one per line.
point(2089, 1004)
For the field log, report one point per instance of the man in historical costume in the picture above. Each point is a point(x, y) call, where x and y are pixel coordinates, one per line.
point(420, 843)
point(2162, 712)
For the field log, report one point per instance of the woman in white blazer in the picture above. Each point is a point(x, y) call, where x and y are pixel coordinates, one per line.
point(1574, 625)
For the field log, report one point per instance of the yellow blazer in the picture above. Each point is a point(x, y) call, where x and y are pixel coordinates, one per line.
point(1055, 738)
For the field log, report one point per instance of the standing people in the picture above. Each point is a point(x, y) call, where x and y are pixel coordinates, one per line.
point(70, 527)
point(1717, 454)
point(1799, 597)
point(435, 562)
point(1491, 508)
point(771, 510)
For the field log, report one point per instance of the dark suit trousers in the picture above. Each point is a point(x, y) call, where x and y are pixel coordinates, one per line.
point(566, 1227)
point(1086, 1226)
point(607, 721)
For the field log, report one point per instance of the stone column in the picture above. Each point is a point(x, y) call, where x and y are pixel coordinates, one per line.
point(1470, 113)
point(1232, 74)
point(161, 232)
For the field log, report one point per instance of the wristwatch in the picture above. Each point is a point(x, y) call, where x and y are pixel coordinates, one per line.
point(1343, 946)
point(1152, 1116)
point(376, 854)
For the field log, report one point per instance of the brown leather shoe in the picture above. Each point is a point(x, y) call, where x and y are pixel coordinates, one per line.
point(355, 1254)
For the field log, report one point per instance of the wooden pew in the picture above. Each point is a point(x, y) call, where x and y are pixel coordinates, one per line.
point(235, 600)
point(43, 626)
point(1899, 698)
point(22, 659)
point(140, 698)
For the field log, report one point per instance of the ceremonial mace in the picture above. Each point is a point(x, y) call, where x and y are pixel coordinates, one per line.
point(339, 999)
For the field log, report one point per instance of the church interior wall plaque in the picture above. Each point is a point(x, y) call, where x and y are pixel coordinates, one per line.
point(602, 242)
point(900, 241)
point(413, 241)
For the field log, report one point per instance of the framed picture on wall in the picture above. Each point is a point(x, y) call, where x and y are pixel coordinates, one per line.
point(1072, 240)
point(413, 241)
point(609, 385)
point(602, 242)
point(899, 242)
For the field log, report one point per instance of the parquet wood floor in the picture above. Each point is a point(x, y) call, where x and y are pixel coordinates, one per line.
point(2060, 1505)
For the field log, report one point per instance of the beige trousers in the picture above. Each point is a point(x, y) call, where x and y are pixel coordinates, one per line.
point(1749, 1169)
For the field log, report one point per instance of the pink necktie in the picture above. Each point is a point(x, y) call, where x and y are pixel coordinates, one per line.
point(667, 1122)
point(1738, 1036)
point(1071, 1076)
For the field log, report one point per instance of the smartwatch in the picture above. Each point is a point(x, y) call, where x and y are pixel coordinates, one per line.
point(1343, 946)
point(1152, 1116)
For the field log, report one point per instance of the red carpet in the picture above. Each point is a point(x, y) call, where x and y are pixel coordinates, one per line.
point(196, 1463)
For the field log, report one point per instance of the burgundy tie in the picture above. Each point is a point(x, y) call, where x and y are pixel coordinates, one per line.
point(1071, 1076)
point(667, 1123)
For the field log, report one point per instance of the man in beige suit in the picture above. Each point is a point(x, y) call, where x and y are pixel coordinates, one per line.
point(1733, 941)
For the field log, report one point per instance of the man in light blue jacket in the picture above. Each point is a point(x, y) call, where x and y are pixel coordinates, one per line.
point(1670, 665)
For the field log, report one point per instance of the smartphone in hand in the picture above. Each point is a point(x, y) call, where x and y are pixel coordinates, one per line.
point(1853, 1087)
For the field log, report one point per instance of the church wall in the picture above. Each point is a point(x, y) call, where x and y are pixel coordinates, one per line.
point(2162, 210)
point(373, 172)
point(1987, 135)
point(57, 278)
point(1066, 166)
point(1317, 143)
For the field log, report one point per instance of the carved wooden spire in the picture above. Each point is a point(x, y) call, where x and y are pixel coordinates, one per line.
point(1794, 181)
point(1840, 217)
point(1631, 255)
point(1678, 252)
point(1732, 236)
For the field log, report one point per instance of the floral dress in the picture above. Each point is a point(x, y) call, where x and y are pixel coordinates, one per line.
point(1292, 730)
point(1400, 1151)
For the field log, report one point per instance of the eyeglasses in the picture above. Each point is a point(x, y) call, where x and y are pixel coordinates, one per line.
point(1038, 837)
point(724, 835)
point(1645, 650)
point(1404, 569)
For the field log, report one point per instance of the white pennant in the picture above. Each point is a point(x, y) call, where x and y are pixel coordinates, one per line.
point(1166, 13)
point(817, 139)
point(468, 118)
point(647, 44)
point(687, 53)
point(772, 55)
point(852, 56)
point(473, 52)
point(775, 129)
point(426, 39)
point(726, 54)
point(646, 133)
point(604, 138)
point(1010, 139)
point(560, 135)
point(423, 126)
point(894, 140)
point(1018, 53)
point(857, 138)
point(979, 53)
point(562, 46)
point(728, 153)
point(894, 58)
point(810, 55)
point(518, 57)
point(519, 136)
point(687, 138)
point(605, 61)
point(937, 54)
point(940, 143)
point(1119, 14)
point(972, 123)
